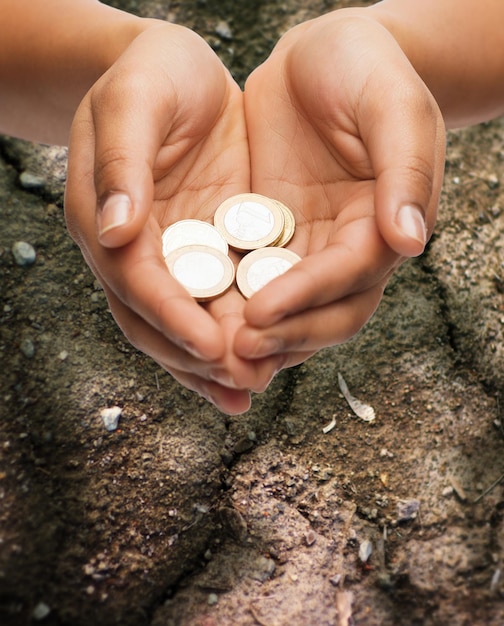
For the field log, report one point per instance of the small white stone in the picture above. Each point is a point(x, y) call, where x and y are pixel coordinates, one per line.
point(41, 611)
point(28, 348)
point(223, 30)
point(365, 550)
point(31, 181)
point(24, 253)
point(213, 598)
point(111, 417)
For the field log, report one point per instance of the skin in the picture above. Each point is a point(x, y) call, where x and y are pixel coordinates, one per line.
point(353, 106)
point(191, 155)
point(344, 123)
point(347, 151)
point(147, 147)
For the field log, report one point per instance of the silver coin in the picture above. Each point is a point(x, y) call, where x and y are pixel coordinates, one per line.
point(204, 271)
point(192, 232)
point(261, 266)
point(249, 221)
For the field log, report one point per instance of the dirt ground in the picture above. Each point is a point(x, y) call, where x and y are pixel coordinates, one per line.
point(185, 517)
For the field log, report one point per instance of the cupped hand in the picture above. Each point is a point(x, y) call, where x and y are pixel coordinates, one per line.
point(159, 138)
point(343, 131)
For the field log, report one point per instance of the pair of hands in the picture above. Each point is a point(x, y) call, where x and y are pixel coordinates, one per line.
point(336, 124)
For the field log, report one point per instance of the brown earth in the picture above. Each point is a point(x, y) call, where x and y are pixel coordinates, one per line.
point(184, 516)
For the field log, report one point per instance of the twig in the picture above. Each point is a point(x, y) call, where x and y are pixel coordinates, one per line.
point(491, 488)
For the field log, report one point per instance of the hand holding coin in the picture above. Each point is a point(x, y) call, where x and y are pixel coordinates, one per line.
point(165, 159)
point(357, 167)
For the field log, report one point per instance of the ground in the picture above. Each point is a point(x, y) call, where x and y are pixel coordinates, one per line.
point(184, 516)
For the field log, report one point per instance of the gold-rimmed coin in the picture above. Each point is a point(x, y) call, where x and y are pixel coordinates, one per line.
point(259, 267)
point(204, 271)
point(192, 232)
point(289, 225)
point(249, 221)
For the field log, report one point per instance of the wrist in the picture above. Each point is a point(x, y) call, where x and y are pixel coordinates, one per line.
point(463, 64)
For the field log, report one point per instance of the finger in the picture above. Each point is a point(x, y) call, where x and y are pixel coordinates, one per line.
point(354, 260)
point(135, 277)
point(405, 135)
point(150, 341)
point(134, 108)
point(122, 189)
point(129, 131)
point(310, 330)
point(233, 371)
point(198, 376)
point(229, 401)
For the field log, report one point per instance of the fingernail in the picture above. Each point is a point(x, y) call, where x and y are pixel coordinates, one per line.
point(206, 395)
point(188, 346)
point(223, 378)
point(411, 221)
point(115, 212)
point(267, 347)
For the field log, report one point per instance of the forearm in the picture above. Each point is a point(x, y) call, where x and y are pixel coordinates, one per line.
point(50, 54)
point(457, 47)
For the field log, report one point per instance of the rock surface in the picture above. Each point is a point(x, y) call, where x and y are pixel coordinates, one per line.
point(180, 516)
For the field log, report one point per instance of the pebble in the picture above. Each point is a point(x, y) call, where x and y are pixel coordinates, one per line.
point(224, 31)
point(31, 181)
point(213, 598)
point(493, 181)
point(41, 611)
point(24, 253)
point(28, 348)
point(365, 550)
point(111, 417)
point(264, 569)
point(310, 538)
point(407, 510)
point(447, 491)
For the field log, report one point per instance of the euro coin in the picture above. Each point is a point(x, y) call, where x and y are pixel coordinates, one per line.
point(192, 232)
point(259, 267)
point(249, 221)
point(204, 271)
point(289, 225)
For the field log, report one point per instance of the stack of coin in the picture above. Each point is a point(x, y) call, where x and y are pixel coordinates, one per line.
point(196, 252)
point(250, 221)
point(196, 255)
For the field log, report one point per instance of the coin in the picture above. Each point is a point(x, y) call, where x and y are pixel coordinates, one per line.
point(192, 232)
point(259, 267)
point(249, 221)
point(204, 271)
point(289, 225)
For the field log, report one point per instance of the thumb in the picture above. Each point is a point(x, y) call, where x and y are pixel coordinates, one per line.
point(408, 153)
point(124, 156)
point(128, 138)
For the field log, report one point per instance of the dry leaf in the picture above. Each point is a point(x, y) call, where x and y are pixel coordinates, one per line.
point(364, 411)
